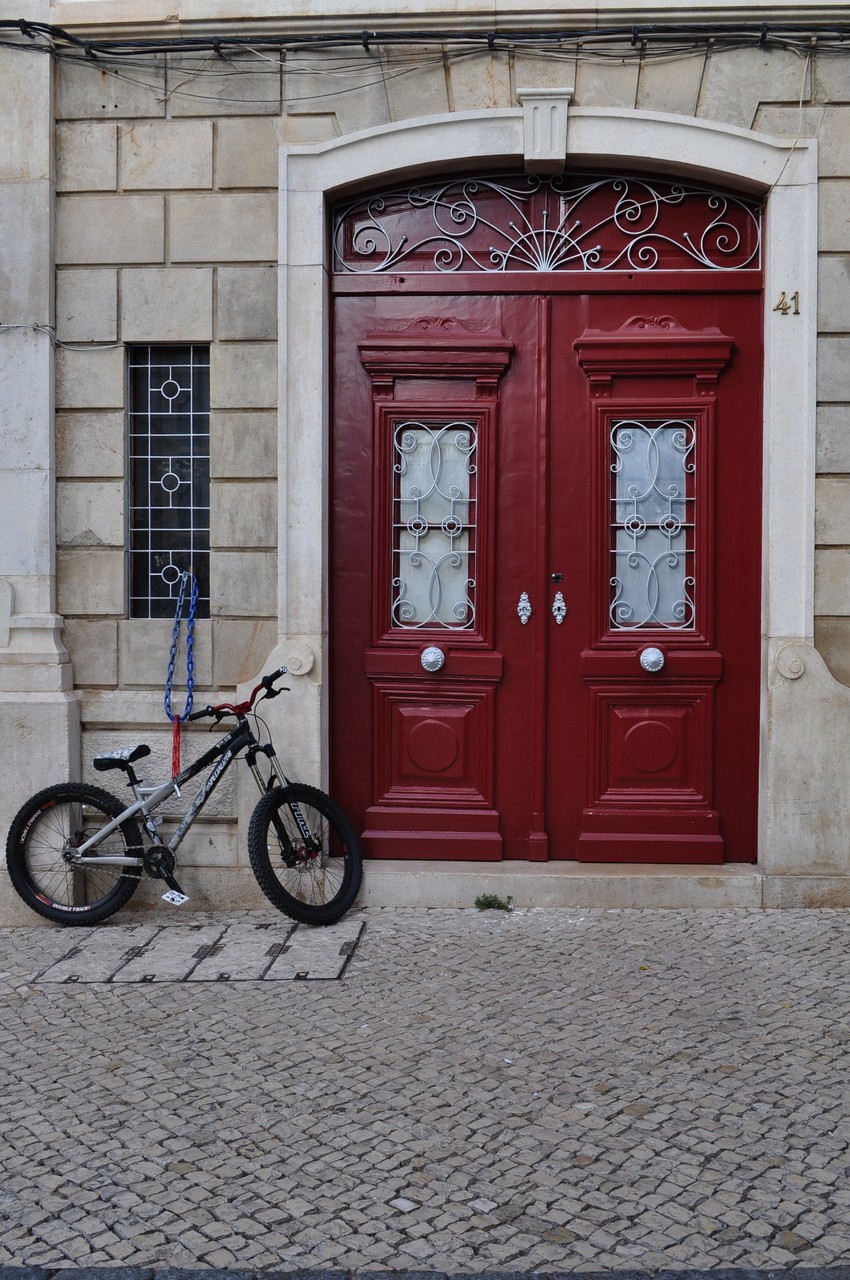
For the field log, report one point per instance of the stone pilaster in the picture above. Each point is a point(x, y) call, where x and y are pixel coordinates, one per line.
point(39, 729)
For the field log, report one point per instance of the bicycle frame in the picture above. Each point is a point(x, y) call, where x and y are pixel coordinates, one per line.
point(148, 799)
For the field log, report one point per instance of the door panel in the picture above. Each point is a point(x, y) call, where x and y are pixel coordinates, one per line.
point(530, 492)
point(672, 449)
point(417, 429)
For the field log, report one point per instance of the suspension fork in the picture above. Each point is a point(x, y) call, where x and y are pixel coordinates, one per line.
point(278, 778)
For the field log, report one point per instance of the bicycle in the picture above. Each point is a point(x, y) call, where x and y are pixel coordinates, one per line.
point(76, 854)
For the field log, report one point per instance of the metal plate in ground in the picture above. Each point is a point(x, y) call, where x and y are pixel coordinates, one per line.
point(238, 952)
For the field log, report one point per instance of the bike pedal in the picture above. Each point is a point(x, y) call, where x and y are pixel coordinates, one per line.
point(175, 897)
point(175, 894)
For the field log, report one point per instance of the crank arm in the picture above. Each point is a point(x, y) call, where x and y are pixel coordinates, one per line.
point(107, 861)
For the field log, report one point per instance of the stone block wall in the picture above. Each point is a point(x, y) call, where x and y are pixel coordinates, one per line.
point(166, 231)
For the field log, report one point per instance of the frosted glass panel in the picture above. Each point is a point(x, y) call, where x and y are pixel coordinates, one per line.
point(652, 500)
point(434, 502)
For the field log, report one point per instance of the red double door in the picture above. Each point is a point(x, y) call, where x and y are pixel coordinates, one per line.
point(545, 594)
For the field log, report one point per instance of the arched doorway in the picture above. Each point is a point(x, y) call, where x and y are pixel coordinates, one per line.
point(312, 178)
point(546, 518)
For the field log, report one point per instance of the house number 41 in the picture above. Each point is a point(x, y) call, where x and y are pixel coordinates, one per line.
point(788, 306)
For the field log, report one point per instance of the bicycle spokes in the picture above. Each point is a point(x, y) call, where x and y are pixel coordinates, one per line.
point(305, 854)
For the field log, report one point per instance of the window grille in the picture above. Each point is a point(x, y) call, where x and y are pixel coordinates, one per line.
point(434, 524)
point(653, 523)
point(169, 476)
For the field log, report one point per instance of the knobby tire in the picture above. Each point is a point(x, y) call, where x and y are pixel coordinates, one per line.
point(57, 819)
point(316, 881)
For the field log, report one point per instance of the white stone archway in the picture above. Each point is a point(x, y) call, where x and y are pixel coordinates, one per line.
point(785, 171)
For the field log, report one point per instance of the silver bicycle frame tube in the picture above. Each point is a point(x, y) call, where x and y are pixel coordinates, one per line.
point(149, 798)
point(151, 795)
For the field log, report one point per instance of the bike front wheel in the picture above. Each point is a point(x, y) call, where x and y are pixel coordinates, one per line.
point(40, 849)
point(305, 854)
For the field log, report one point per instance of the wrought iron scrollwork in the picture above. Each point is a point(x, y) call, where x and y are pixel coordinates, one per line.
point(576, 222)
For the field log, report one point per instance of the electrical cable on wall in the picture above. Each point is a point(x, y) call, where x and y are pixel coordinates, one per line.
point(832, 37)
point(395, 54)
point(49, 332)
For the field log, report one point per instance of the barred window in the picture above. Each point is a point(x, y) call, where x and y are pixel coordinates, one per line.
point(169, 476)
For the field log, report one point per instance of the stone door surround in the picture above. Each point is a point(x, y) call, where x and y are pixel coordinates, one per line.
point(783, 170)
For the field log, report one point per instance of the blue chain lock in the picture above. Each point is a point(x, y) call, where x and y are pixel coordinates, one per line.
point(190, 648)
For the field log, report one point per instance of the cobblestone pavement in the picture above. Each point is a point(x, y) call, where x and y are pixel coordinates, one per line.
point(550, 1090)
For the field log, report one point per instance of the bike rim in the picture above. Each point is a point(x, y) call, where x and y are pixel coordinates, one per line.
point(54, 880)
point(319, 875)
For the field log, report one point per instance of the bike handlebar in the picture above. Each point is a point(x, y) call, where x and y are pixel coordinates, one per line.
point(266, 686)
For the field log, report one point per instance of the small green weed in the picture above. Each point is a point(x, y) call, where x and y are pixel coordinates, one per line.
point(492, 902)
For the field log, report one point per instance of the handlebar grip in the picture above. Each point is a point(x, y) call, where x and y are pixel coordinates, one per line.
point(213, 713)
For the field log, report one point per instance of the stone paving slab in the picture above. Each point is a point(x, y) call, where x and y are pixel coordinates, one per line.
point(215, 952)
point(557, 1092)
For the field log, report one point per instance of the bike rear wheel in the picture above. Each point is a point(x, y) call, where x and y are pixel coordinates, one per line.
point(42, 839)
point(305, 854)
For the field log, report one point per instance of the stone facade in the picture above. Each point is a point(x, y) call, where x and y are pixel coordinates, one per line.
point(163, 178)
